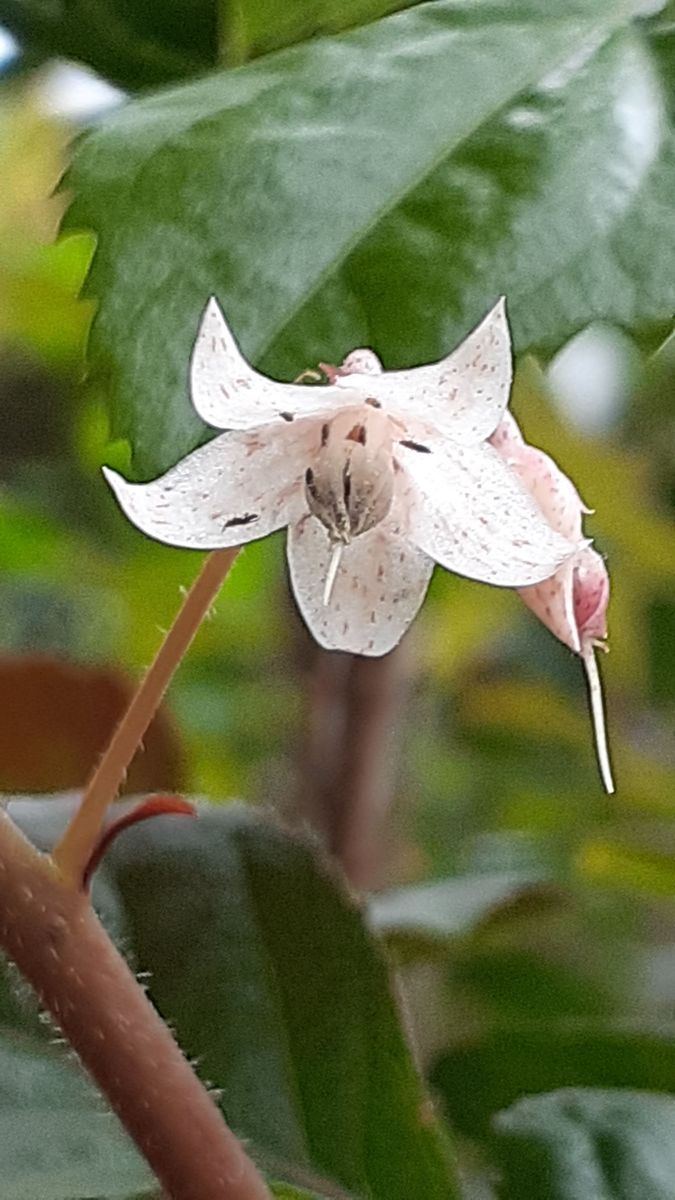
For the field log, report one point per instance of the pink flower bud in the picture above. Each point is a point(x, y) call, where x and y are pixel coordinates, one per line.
point(572, 603)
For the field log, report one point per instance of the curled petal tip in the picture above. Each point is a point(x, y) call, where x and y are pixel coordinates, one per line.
point(113, 478)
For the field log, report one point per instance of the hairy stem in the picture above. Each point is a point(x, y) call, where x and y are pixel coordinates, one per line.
point(52, 934)
point(73, 851)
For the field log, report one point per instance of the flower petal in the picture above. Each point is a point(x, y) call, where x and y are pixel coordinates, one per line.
point(591, 595)
point(552, 601)
point(228, 394)
point(463, 395)
point(573, 602)
point(241, 486)
point(553, 491)
point(468, 510)
point(380, 584)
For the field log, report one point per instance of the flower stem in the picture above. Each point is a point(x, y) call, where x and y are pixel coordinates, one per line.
point(52, 934)
point(72, 852)
point(355, 707)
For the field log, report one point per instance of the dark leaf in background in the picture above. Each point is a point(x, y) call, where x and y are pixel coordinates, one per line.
point(132, 45)
point(140, 46)
point(253, 27)
point(479, 1079)
point(422, 922)
point(57, 720)
point(588, 1145)
point(383, 187)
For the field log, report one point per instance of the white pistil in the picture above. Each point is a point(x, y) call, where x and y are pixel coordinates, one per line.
point(598, 716)
point(332, 571)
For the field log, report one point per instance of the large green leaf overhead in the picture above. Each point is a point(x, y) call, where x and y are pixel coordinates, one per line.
point(381, 187)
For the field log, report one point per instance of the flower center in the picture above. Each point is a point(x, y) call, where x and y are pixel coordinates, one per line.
point(350, 484)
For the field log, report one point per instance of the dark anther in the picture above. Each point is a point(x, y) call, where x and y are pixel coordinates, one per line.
point(309, 480)
point(244, 520)
point(286, 416)
point(416, 446)
point(325, 430)
point(373, 402)
point(357, 434)
point(346, 484)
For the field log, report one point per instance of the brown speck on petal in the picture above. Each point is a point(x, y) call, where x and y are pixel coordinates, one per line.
point(357, 434)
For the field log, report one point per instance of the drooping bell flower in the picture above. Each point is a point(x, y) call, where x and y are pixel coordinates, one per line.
point(378, 475)
point(573, 601)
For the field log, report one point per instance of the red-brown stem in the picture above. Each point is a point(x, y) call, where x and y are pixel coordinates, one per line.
point(374, 700)
point(74, 849)
point(52, 934)
point(355, 707)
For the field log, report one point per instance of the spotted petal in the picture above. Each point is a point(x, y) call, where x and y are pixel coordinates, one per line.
point(241, 486)
point(463, 395)
point(228, 394)
point(380, 584)
point(552, 601)
point(541, 476)
point(469, 511)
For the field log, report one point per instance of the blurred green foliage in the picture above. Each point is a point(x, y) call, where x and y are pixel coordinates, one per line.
point(380, 187)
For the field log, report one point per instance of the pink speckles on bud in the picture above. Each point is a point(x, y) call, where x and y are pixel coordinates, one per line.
point(572, 603)
point(553, 491)
point(591, 595)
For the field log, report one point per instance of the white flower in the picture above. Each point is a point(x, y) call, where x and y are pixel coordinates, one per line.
point(377, 475)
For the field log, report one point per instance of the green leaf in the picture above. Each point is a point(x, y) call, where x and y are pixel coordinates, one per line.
point(140, 46)
point(134, 45)
point(283, 1192)
point(578, 1145)
point(422, 921)
point(268, 976)
point(514, 1060)
point(381, 188)
point(624, 274)
point(57, 1140)
point(445, 908)
point(258, 26)
point(265, 969)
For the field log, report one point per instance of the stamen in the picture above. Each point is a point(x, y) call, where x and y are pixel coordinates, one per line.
point(598, 716)
point(243, 520)
point(332, 571)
